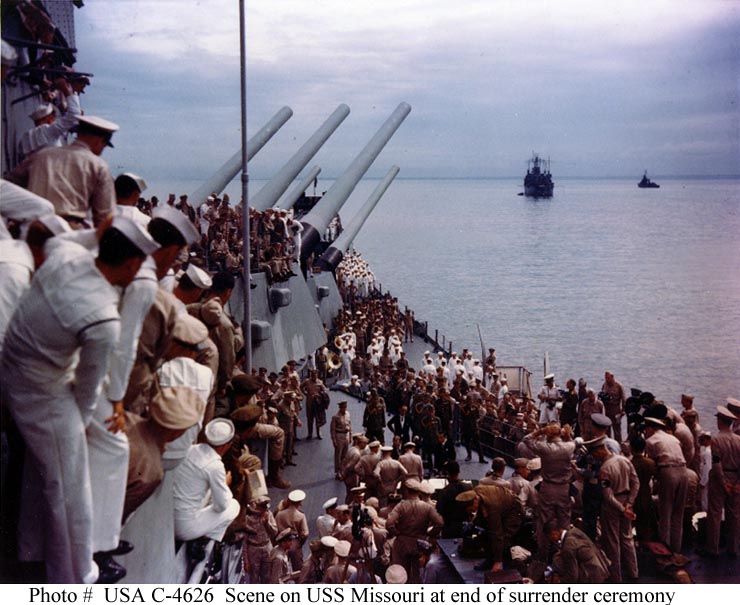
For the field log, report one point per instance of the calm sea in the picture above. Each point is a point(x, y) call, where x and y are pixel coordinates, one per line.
point(645, 283)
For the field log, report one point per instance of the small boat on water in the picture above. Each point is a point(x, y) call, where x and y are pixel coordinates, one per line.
point(646, 183)
point(538, 181)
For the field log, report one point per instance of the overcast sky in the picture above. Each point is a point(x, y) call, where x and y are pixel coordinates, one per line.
point(602, 88)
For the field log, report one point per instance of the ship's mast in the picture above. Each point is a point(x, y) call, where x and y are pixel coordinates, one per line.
point(247, 325)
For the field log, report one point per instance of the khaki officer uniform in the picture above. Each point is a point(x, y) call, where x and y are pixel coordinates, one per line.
point(280, 567)
point(388, 472)
point(293, 518)
point(413, 464)
point(340, 431)
point(556, 474)
point(260, 530)
point(503, 513)
point(580, 561)
point(724, 490)
point(620, 486)
point(348, 471)
point(364, 469)
point(408, 522)
point(156, 336)
point(673, 486)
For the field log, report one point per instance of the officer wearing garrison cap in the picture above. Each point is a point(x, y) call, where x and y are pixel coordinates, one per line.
point(340, 430)
point(724, 483)
point(55, 359)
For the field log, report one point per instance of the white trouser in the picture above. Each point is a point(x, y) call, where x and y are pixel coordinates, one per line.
point(56, 484)
point(108, 453)
point(207, 522)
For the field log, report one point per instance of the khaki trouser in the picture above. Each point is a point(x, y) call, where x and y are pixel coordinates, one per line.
point(275, 438)
point(673, 485)
point(617, 542)
point(720, 500)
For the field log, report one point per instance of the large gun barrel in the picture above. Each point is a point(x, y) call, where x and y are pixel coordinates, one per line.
point(224, 175)
point(335, 252)
point(316, 221)
point(292, 196)
point(269, 194)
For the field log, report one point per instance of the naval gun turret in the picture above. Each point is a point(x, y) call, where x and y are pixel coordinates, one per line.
point(269, 194)
point(224, 175)
point(316, 221)
point(334, 254)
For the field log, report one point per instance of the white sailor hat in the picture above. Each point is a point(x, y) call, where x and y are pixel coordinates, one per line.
point(386, 448)
point(374, 444)
point(140, 182)
point(200, 278)
point(329, 541)
point(101, 125)
point(178, 220)
point(297, 495)
point(9, 54)
point(396, 574)
point(43, 110)
point(330, 503)
point(550, 377)
point(342, 548)
point(219, 431)
point(54, 223)
point(135, 234)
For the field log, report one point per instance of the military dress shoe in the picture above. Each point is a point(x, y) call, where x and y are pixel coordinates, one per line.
point(123, 548)
point(196, 549)
point(110, 572)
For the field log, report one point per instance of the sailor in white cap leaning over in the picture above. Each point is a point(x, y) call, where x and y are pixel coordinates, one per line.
point(74, 178)
point(19, 258)
point(55, 358)
point(200, 475)
point(106, 436)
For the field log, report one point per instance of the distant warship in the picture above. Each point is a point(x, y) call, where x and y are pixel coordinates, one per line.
point(646, 183)
point(538, 181)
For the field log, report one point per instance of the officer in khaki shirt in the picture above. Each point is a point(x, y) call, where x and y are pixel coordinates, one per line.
point(340, 430)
